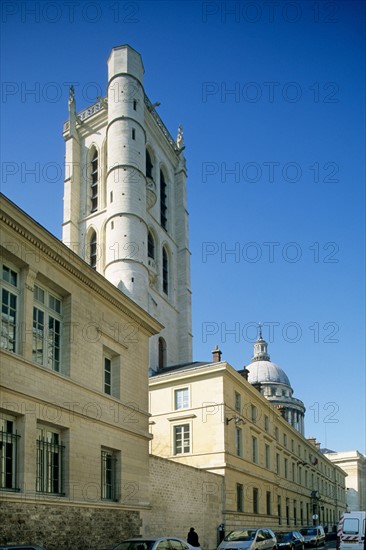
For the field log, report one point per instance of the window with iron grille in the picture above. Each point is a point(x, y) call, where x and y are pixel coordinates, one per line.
point(47, 322)
point(94, 181)
point(8, 454)
point(182, 442)
point(9, 305)
point(49, 462)
point(109, 475)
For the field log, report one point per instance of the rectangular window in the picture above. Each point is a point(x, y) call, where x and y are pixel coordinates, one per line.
point(277, 463)
point(239, 497)
point(268, 503)
point(286, 468)
point(255, 450)
point(107, 376)
point(8, 454)
point(49, 462)
point(284, 440)
point(237, 402)
point(181, 399)
point(255, 500)
point(9, 304)
point(182, 439)
point(279, 512)
point(293, 471)
point(134, 105)
point(239, 441)
point(266, 423)
point(133, 133)
point(47, 321)
point(109, 475)
point(276, 433)
point(268, 457)
point(254, 413)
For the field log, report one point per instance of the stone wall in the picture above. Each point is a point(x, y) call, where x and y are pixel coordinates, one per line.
point(182, 497)
point(66, 527)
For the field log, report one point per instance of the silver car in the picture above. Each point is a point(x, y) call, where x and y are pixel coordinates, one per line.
point(153, 543)
point(249, 539)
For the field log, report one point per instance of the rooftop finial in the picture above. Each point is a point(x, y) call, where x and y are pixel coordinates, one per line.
point(260, 330)
point(180, 138)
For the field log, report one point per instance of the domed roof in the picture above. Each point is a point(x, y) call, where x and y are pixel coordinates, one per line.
point(266, 372)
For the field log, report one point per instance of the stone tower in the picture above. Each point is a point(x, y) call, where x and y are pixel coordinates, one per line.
point(125, 202)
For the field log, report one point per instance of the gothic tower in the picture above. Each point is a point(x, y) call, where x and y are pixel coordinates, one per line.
point(125, 202)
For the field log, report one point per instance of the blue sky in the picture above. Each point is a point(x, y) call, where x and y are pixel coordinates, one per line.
point(271, 98)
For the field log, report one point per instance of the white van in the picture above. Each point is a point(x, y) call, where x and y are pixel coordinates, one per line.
point(351, 531)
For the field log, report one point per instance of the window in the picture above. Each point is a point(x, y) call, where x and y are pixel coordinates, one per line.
point(107, 376)
point(239, 441)
point(268, 503)
point(150, 246)
point(277, 463)
point(109, 475)
point(268, 457)
point(163, 201)
point(49, 461)
point(266, 423)
point(255, 500)
point(162, 353)
point(276, 433)
point(93, 250)
point(134, 105)
point(284, 440)
point(239, 497)
point(181, 399)
point(8, 453)
point(47, 329)
point(287, 511)
point(293, 471)
point(295, 512)
point(149, 166)
point(254, 450)
point(279, 513)
point(94, 181)
point(253, 413)
point(286, 468)
point(182, 439)
point(237, 402)
point(165, 272)
point(9, 299)
point(133, 133)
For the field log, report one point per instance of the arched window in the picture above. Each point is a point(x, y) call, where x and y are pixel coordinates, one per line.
point(93, 250)
point(165, 271)
point(163, 201)
point(149, 165)
point(162, 353)
point(94, 181)
point(150, 246)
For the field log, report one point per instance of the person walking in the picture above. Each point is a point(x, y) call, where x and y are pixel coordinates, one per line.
point(192, 538)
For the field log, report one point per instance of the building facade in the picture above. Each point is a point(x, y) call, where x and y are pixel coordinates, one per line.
point(74, 436)
point(125, 208)
point(209, 416)
point(354, 464)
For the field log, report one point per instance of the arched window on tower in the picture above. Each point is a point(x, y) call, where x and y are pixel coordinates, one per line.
point(162, 353)
point(94, 181)
point(149, 166)
point(163, 201)
point(93, 250)
point(150, 246)
point(165, 271)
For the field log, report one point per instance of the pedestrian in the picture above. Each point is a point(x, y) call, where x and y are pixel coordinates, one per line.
point(192, 538)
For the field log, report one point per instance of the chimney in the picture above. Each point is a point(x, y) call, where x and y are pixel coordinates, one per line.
point(216, 355)
point(245, 373)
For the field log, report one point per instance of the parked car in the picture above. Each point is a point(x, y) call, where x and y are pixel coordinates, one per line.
point(21, 547)
point(249, 539)
point(291, 540)
point(151, 543)
point(314, 536)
